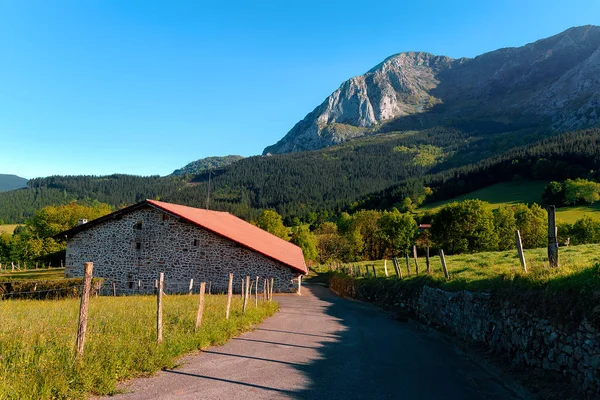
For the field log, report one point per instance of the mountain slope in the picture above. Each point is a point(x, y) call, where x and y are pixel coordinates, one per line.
point(552, 82)
point(10, 182)
point(203, 164)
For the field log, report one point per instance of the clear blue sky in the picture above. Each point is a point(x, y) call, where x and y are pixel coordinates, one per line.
point(144, 87)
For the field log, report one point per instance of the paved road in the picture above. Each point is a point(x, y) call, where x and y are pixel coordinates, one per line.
point(320, 346)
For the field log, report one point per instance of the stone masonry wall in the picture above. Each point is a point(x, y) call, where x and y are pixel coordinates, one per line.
point(528, 340)
point(124, 254)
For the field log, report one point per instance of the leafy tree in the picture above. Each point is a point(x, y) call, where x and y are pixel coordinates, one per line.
point(331, 246)
point(463, 227)
point(532, 222)
point(586, 230)
point(554, 194)
point(304, 238)
point(51, 220)
point(364, 222)
point(397, 231)
point(505, 224)
point(581, 190)
point(272, 222)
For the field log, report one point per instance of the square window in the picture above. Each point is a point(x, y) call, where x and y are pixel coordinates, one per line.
point(138, 225)
point(196, 242)
point(138, 245)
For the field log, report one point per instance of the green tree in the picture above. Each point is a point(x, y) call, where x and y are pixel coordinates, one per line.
point(304, 238)
point(397, 232)
point(532, 222)
point(505, 224)
point(581, 190)
point(330, 244)
point(554, 194)
point(585, 230)
point(272, 222)
point(467, 226)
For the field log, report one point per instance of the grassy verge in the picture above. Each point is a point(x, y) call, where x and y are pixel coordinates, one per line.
point(37, 341)
point(565, 295)
point(35, 274)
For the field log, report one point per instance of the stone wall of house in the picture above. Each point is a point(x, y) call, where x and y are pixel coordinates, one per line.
point(138, 245)
point(530, 341)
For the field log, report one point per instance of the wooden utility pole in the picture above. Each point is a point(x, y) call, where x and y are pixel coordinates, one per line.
point(427, 260)
point(229, 294)
point(520, 250)
point(159, 327)
point(246, 295)
point(552, 238)
point(201, 305)
point(444, 266)
point(416, 259)
point(83, 308)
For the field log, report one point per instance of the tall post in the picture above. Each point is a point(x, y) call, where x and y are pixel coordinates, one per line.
point(416, 259)
point(444, 266)
point(159, 293)
point(201, 305)
point(552, 238)
point(427, 260)
point(246, 295)
point(83, 308)
point(520, 250)
point(229, 294)
point(407, 265)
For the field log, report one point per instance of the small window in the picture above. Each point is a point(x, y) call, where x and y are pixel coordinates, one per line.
point(165, 217)
point(196, 243)
point(138, 245)
point(138, 225)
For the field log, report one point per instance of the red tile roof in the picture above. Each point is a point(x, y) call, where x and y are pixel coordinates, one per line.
point(240, 231)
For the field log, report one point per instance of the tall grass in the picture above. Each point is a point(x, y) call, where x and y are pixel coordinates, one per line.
point(37, 341)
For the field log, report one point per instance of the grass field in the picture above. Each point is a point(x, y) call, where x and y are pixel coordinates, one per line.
point(37, 341)
point(38, 274)
point(494, 270)
point(521, 191)
point(8, 228)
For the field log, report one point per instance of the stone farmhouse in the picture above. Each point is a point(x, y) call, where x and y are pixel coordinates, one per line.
point(131, 246)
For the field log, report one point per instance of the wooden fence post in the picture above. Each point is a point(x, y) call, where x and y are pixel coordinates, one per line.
point(520, 249)
point(229, 294)
point(159, 293)
point(271, 290)
point(444, 266)
point(407, 265)
point(242, 292)
point(416, 259)
point(427, 260)
point(114, 285)
point(191, 286)
point(265, 290)
point(299, 285)
point(552, 238)
point(385, 268)
point(139, 285)
point(83, 308)
point(397, 268)
point(374, 271)
point(210, 287)
point(256, 291)
point(201, 305)
point(246, 295)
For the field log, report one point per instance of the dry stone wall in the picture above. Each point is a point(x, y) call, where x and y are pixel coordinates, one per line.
point(138, 245)
point(530, 341)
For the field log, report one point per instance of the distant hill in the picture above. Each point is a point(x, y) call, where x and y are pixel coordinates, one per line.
point(11, 182)
point(553, 82)
point(203, 164)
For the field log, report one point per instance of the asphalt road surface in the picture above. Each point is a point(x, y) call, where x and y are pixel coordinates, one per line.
point(320, 346)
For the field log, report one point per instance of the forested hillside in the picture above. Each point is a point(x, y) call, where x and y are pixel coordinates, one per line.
point(375, 172)
point(10, 182)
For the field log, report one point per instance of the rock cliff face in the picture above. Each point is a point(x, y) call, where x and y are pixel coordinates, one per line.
point(554, 81)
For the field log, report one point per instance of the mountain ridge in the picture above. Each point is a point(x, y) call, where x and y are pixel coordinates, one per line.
point(11, 182)
point(551, 82)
